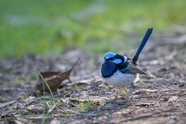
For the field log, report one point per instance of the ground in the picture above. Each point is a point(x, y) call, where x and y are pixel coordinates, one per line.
point(159, 98)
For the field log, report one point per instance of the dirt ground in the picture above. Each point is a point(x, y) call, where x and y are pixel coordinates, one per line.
point(155, 100)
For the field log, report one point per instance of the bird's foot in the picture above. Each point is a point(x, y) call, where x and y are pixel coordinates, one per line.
point(129, 99)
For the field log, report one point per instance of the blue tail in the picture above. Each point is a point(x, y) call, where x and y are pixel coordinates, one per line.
point(143, 42)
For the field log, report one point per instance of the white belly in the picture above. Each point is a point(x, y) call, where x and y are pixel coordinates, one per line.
point(119, 79)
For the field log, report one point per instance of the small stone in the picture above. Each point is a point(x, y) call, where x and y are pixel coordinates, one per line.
point(181, 85)
point(165, 99)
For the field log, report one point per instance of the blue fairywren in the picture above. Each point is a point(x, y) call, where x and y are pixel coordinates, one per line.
point(121, 71)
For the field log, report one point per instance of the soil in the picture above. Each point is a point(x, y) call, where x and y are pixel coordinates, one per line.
point(160, 98)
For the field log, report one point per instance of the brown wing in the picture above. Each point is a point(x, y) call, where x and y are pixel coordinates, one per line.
point(133, 69)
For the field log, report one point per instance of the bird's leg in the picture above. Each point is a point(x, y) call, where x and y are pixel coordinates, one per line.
point(119, 93)
point(130, 91)
point(116, 96)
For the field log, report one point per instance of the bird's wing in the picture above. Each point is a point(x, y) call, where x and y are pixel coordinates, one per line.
point(135, 69)
point(131, 68)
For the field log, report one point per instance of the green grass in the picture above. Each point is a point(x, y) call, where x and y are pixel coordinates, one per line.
point(85, 106)
point(48, 27)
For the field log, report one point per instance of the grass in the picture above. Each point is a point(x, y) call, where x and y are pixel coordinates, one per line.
point(49, 27)
point(104, 86)
point(51, 103)
point(85, 106)
point(77, 87)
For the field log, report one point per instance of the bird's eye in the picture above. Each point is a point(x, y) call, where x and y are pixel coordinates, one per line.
point(111, 59)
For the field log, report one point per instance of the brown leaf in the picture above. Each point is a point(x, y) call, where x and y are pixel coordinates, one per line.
point(53, 79)
point(96, 102)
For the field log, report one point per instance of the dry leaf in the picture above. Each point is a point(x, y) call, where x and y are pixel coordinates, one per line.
point(144, 104)
point(55, 121)
point(37, 108)
point(96, 102)
point(173, 99)
point(53, 79)
point(2, 105)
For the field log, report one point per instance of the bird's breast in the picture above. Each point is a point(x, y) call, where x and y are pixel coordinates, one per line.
point(119, 79)
point(108, 69)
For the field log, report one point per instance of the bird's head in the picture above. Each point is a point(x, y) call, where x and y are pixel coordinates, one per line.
point(114, 58)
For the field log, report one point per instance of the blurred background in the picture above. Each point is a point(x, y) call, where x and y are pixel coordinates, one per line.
point(48, 27)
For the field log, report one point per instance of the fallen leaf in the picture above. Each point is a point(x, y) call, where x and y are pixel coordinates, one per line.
point(37, 108)
point(77, 100)
point(21, 120)
point(96, 102)
point(53, 79)
point(2, 105)
point(144, 104)
point(173, 99)
point(55, 121)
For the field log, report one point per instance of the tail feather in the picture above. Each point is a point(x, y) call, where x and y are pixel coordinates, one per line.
point(143, 42)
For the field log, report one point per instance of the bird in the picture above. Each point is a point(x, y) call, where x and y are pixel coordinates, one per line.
point(121, 71)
